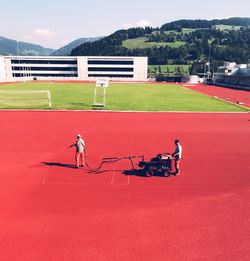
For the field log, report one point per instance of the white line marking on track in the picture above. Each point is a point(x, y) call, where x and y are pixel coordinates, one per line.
point(44, 179)
point(116, 111)
point(72, 183)
point(128, 180)
point(113, 174)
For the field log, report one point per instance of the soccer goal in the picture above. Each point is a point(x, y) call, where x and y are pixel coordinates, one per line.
point(100, 92)
point(27, 99)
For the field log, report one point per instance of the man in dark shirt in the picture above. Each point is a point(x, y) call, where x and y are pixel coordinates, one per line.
point(177, 156)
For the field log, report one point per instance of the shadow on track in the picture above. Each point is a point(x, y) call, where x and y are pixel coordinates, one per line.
point(58, 164)
point(141, 173)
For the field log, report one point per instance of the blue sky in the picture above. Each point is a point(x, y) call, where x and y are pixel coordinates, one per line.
point(54, 23)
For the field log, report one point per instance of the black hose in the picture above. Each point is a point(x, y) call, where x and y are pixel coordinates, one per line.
point(105, 161)
point(110, 160)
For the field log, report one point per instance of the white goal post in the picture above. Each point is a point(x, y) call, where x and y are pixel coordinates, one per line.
point(102, 83)
point(26, 95)
point(100, 92)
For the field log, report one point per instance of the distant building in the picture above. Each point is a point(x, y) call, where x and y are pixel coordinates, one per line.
point(233, 75)
point(80, 68)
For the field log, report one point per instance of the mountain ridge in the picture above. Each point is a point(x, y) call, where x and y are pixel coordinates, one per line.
point(14, 47)
point(66, 50)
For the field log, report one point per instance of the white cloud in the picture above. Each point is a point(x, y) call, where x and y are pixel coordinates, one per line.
point(223, 17)
point(142, 23)
point(65, 42)
point(27, 37)
point(44, 37)
point(46, 33)
point(127, 25)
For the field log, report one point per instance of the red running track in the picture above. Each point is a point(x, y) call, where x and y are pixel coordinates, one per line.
point(54, 212)
point(231, 95)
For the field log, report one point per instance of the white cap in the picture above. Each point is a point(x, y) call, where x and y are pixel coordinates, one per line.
point(78, 135)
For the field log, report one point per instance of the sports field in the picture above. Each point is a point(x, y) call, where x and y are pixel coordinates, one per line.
point(49, 210)
point(120, 96)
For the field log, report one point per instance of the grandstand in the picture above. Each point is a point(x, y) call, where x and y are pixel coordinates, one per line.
point(80, 68)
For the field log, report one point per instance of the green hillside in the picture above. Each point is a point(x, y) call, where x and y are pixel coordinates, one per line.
point(143, 42)
point(182, 42)
point(227, 27)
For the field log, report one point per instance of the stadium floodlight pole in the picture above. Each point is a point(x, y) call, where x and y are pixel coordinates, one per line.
point(204, 73)
point(24, 73)
point(17, 46)
point(209, 57)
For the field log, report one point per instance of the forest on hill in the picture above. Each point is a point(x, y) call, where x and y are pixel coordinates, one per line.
point(183, 42)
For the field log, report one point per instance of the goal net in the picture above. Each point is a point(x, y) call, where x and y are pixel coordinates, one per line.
point(26, 99)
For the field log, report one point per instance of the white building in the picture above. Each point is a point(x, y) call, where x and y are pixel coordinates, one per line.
point(80, 68)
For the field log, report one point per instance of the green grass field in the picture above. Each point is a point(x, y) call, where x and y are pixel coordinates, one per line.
point(169, 68)
point(227, 27)
point(184, 31)
point(142, 43)
point(120, 96)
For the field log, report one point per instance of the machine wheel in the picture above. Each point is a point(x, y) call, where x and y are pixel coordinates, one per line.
point(149, 172)
point(166, 173)
point(141, 164)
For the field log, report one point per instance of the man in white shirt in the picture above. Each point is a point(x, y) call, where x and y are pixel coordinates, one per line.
point(80, 147)
point(177, 156)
